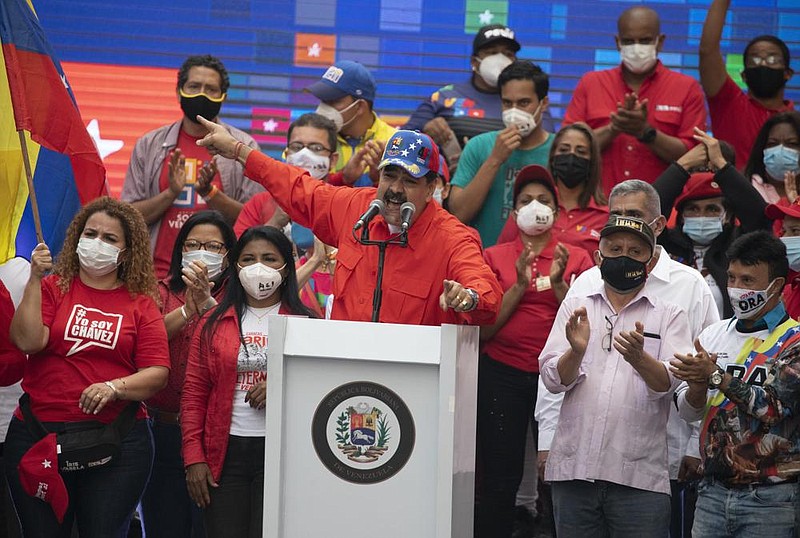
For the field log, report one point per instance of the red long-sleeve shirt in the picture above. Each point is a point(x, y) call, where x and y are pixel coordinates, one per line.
point(439, 248)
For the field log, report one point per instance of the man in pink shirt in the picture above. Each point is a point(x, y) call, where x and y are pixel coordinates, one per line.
point(608, 352)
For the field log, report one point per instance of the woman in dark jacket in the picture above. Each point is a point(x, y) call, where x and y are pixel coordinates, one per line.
point(713, 209)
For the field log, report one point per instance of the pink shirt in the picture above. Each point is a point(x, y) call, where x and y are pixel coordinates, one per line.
point(613, 427)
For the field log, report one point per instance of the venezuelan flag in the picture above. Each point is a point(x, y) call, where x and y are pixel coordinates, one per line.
point(35, 97)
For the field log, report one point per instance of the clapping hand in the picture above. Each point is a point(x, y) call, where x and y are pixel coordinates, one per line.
point(578, 331)
point(694, 369)
point(630, 344)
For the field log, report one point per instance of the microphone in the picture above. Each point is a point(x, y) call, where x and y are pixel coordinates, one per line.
point(406, 212)
point(375, 208)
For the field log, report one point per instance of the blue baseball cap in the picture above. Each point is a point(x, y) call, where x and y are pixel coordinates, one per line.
point(344, 78)
point(413, 151)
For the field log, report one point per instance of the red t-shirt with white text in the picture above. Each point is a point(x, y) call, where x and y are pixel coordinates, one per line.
point(95, 336)
point(185, 205)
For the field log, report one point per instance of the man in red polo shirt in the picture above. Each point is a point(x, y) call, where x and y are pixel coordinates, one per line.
point(643, 114)
point(736, 116)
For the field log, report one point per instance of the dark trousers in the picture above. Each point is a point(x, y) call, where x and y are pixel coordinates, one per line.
point(9, 524)
point(102, 500)
point(682, 500)
point(237, 505)
point(506, 397)
point(167, 510)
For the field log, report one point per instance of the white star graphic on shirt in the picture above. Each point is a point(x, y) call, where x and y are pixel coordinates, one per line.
point(47, 464)
point(314, 50)
point(105, 147)
point(412, 146)
point(486, 17)
point(270, 125)
point(404, 153)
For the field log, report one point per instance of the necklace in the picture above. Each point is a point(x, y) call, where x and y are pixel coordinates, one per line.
point(266, 311)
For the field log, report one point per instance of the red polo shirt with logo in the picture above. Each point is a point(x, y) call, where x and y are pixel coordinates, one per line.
point(519, 342)
point(675, 107)
point(736, 118)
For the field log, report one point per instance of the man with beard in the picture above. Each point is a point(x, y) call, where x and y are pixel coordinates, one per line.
point(170, 177)
point(736, 116)
point(438, 277)
point(643, 114)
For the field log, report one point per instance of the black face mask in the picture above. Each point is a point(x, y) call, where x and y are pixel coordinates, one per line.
point(764, 82)
point(570, 169)
point(199, 105)
point(623, 273)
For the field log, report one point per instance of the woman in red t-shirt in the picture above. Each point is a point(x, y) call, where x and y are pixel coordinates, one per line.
point(575, 166)
point(96, 342)
point(222, 407)
point(198, 269)
point(534, 270)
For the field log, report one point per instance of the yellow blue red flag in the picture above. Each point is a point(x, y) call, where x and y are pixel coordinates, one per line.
point(35, 97)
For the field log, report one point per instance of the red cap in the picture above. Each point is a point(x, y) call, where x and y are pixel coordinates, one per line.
point(782, 209)
point(699, 186)
point(39, 476)
point(535, 173)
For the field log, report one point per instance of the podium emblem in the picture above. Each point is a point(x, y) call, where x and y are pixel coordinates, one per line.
point(363, 432)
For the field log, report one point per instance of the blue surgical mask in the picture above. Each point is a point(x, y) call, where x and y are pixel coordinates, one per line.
point(779, 159)
point(792, 251)
point(702, 230)
point(302, 236)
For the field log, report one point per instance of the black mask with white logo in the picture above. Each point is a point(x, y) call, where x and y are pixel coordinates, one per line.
point(623, 273)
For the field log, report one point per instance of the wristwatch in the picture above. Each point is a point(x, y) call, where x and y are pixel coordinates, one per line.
point(474, 296)
point(716, 377)
point(648, 135)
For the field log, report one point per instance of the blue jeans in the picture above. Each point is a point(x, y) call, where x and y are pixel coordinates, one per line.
point(603, 509)
point(102, 500)
point(756, 511)
point(167, 510)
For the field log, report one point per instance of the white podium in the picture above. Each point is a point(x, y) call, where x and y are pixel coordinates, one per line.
point(370, 430)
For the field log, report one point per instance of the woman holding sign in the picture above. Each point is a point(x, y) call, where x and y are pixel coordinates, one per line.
point(96, 342)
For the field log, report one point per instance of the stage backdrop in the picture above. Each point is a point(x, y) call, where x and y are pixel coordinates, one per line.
point(122, 57)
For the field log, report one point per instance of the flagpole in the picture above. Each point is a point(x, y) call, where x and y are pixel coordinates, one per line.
point(37, 221)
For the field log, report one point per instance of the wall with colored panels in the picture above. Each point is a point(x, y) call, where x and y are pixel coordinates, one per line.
point(275, 48)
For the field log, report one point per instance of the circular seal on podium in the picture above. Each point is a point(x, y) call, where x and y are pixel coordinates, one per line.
point(363, 432)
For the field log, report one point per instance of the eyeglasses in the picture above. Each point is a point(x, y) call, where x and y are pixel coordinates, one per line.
point(315, 147)
point(607, 339)
point(772, 60)
point(209, 246)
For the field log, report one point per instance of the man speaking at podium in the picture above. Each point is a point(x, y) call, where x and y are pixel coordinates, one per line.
point(439, 277)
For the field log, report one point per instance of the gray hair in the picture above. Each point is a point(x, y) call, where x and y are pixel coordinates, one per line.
point(633, 186)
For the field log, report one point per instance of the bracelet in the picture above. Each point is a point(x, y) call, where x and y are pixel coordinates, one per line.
point(116, 392)
point(184, 314)
point(209, 304)
point(237, 150)
point(124, 385)
point(211, 194)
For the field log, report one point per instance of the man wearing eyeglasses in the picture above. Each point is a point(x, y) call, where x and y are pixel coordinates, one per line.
point(736, 116)
point(170, 177)
point(608, 352)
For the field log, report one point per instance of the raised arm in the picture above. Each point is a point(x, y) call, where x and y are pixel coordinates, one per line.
point(28, 332)
point(712, 65)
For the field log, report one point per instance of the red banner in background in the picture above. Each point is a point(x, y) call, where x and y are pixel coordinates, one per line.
point(119, 104)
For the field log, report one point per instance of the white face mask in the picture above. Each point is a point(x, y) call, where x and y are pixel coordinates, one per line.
point(260, 281)
point(212, 261)
point(792, 252)
point(491, 67)
point(534, 218)
point(317, 165)
point(336, 116)
point(747, 304)
point(97, 257)
point(638, 58)
point(525, 121)
point(437, 194)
